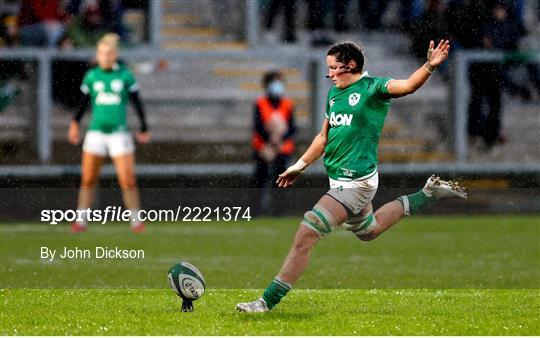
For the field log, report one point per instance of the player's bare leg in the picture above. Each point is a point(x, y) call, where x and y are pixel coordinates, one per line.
point(326, 214)
point(304, 240)
point(298, 257)
point(125, 171)
point(294, 265)
point(90, 170)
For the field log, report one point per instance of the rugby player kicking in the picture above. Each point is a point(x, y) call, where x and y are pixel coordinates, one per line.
point(356, 109)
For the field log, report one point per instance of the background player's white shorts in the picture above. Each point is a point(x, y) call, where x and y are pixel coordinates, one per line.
point(354, 195)
point(114, 144)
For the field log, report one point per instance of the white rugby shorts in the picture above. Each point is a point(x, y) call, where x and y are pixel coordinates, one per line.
point(356, 194)
point(114, 144)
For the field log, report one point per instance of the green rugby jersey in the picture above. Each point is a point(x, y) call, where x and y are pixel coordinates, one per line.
point(109, 94)
point(356, 116)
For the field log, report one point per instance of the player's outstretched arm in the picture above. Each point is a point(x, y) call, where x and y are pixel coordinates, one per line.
point(435, 56)
point(315, 150)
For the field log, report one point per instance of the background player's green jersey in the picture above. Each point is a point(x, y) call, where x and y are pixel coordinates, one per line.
point(356, 117)
point(109, 94)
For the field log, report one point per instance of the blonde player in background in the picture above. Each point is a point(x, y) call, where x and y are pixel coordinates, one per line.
point(108, 87)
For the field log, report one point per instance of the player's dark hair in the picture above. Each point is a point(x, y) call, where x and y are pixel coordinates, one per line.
point(346, 52)
point(270, 76)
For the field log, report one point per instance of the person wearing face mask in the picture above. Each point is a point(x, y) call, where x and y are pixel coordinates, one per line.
point(273, 131)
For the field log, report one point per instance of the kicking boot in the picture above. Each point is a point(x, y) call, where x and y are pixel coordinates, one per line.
point(254, 307)
point(439, 189)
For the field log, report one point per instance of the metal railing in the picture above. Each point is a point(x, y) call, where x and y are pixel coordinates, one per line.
point(459, 95)
point(154, 28)
point(45, 58)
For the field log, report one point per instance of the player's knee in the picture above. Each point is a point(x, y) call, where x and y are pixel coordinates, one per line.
point(89, 182)
point(320, 220)
point(364, 227)
point(129, 183)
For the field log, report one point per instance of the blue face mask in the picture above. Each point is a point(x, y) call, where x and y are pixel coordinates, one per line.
point(276, 88)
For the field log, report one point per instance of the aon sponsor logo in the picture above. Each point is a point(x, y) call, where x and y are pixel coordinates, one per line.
point(108, 98)
point(340, 119)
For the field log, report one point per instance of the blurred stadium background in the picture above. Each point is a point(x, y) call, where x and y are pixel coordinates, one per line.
point(199, 65)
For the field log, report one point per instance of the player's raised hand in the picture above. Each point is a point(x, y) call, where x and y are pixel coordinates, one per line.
point(73, 133)
point(436, 56)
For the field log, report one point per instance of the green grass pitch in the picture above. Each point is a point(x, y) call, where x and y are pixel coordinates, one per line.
point(426, 276)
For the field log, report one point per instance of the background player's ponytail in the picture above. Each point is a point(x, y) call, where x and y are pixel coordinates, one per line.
point(346, 52)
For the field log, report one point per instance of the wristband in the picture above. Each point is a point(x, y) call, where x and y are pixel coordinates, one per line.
point(429, 68)
point(300, 165)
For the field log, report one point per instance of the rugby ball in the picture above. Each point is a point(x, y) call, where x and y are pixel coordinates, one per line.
point(186, 281)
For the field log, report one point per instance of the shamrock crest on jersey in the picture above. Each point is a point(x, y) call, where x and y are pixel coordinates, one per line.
point(354, 98)
point(117, 85)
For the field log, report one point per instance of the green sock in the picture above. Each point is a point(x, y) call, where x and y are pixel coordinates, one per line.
point(275, 291)
point(415, 202)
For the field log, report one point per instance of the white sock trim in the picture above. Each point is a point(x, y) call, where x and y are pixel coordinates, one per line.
point(406, 207)
point(281, 281)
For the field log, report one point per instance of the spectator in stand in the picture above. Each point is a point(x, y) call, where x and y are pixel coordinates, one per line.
point(273, 133)
point(83, 31)
point(9, 69)
point(430, 26)
point(340, 16)
point(289, 9)
point(9, 31)
point(316, 10)
point(87, 28)
point(112, 12)
point(372, 11)
point(487, 79)
point(465, 21)
point(411, 11)
point(504, 33)
point(41, 22)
